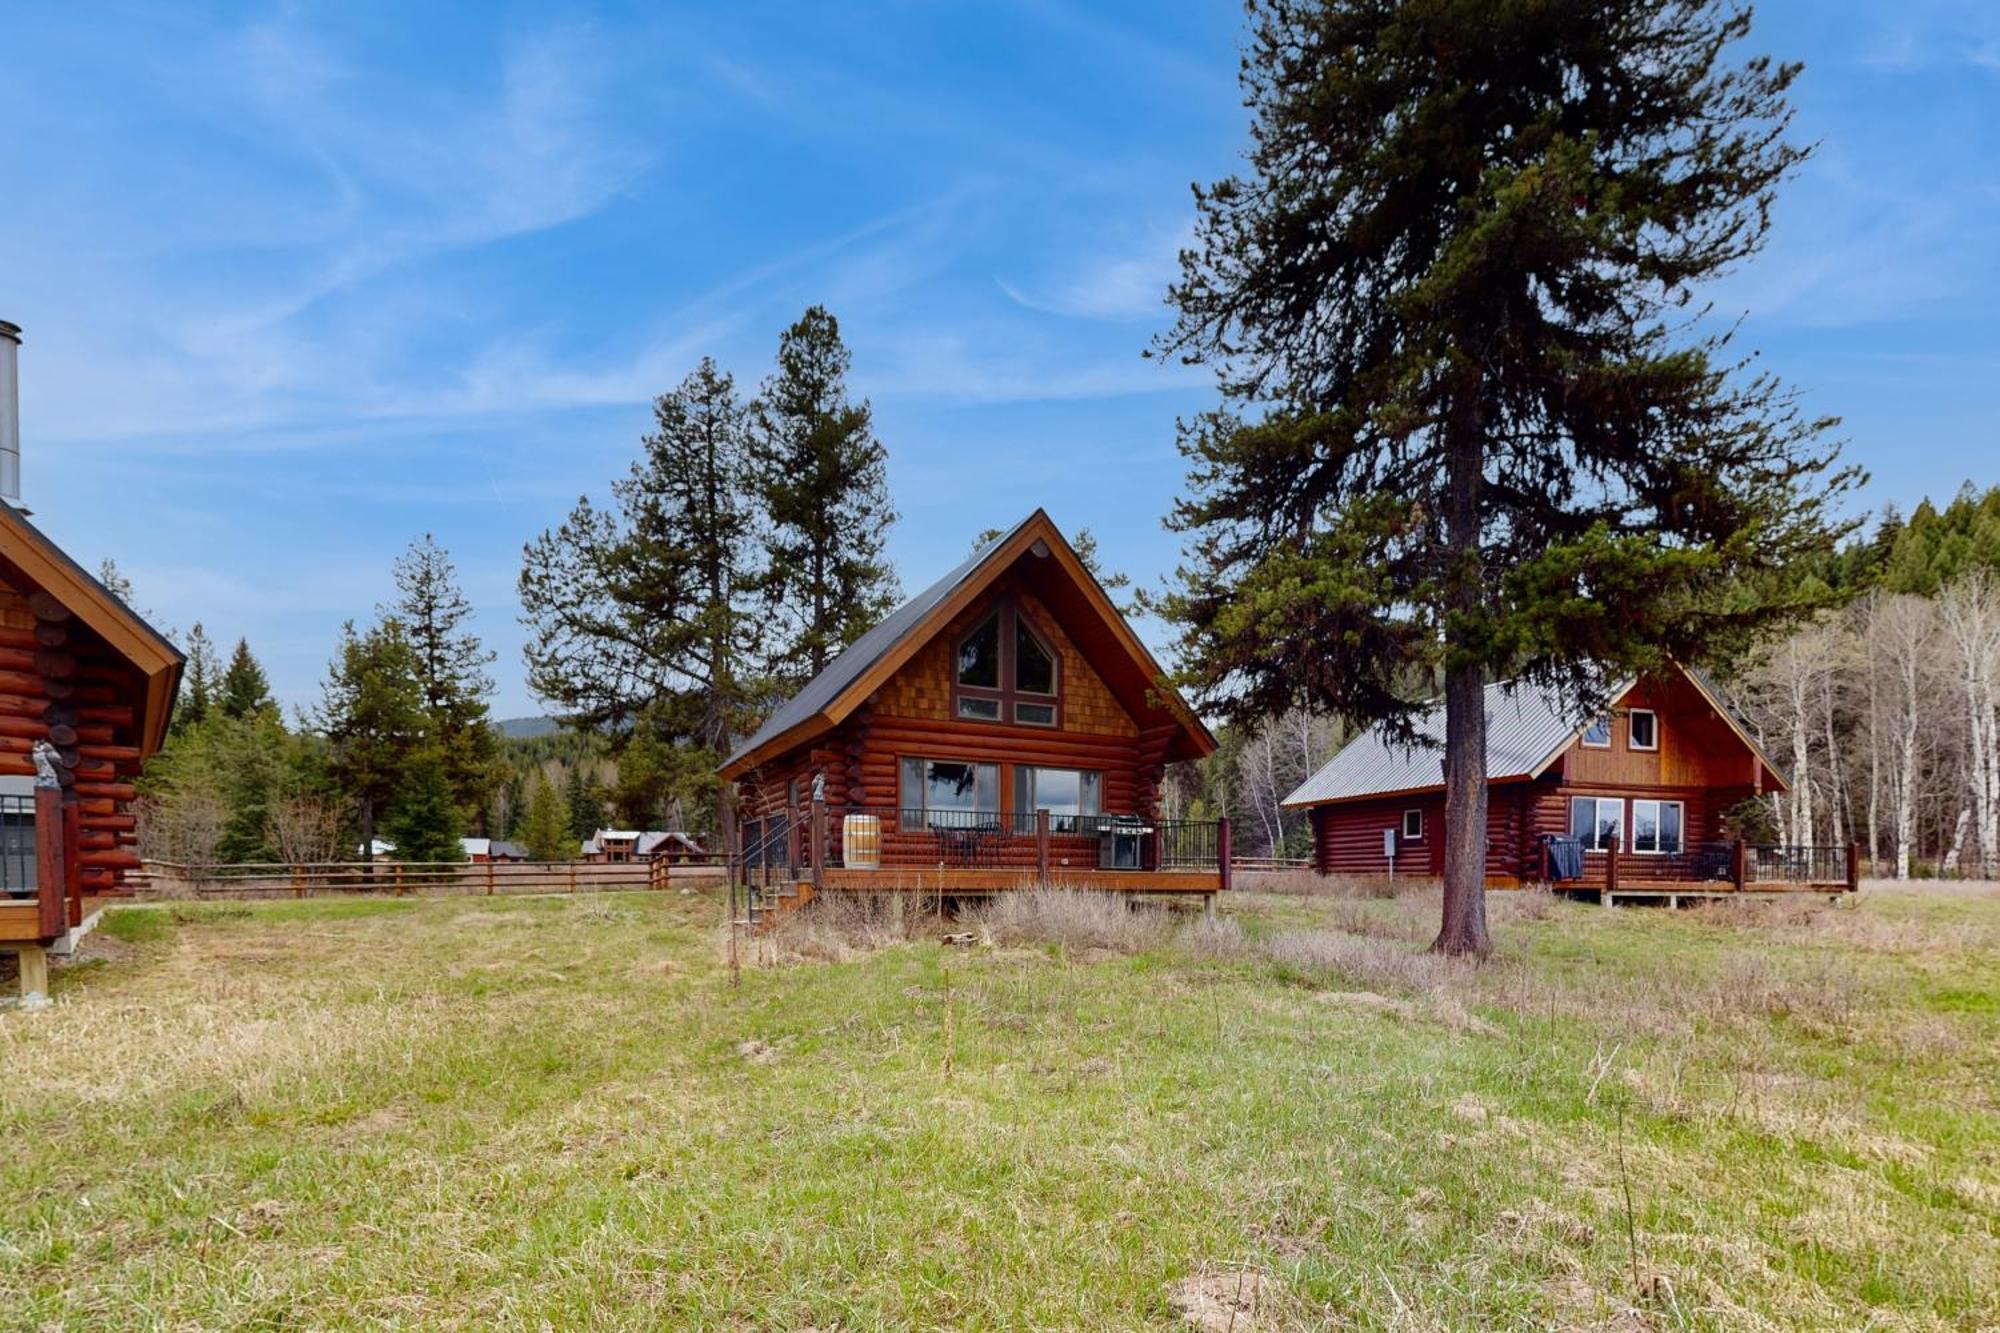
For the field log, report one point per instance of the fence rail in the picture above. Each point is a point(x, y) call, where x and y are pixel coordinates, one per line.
point(417, 878)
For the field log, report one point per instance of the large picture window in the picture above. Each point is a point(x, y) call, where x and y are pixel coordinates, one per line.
point(945, 793)
point(1597, 821)
point(1065, 793)
point(17, 844)
point(1656, 826)
point(1006, 671)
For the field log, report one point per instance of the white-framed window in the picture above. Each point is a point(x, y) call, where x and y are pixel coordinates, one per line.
point(1065, 793)
point(17, 845)
point(1657, 826)
point(1413, 826)
point(1598, 734)
point(1598, 822)
point(1643, 729)
point(948, 793)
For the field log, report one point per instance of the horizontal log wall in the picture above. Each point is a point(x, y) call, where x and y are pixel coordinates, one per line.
point(60, 683)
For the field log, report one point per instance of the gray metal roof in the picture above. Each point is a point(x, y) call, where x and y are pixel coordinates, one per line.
point(870, 648)
point(1525, 725)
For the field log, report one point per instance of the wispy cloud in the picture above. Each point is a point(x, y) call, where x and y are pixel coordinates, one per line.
point(1127, 284)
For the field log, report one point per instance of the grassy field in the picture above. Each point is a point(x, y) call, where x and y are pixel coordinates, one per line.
point(562, 1113)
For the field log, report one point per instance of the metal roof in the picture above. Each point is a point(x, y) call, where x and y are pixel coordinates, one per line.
point(1526, 725)
point(864, 652)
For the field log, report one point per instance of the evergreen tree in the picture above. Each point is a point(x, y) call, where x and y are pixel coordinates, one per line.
point(245, 690)
point(372, 715)
point(586, 810)
point(642, 621)
point(822, 479)
point(545, 825)
point(424, 821)
point(198, 680)
point(451, 673)
point(1463, 428)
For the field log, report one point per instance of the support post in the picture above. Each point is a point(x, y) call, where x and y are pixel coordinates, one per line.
point(1853, 866)
point(1610, 871)
point(72, 843)
point(1224, 854)
point(51, 874)
point(818, 841)
point(1739, 864)
point(32, 960)
point(1042, 846)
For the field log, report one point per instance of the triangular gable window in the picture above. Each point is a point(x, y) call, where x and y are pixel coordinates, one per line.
point(1006, 671)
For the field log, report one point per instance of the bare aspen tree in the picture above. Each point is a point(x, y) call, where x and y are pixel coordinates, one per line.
point(1969, 617)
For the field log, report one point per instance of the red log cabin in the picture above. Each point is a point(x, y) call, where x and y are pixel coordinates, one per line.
point(85, 676)
point(1632, 803)
point(1004, 727)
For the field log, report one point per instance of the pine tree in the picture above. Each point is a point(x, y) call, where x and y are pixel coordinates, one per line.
point(424, 821)
point(245, 689)
point(586, 810)
point(1465, 427)
point(451, 673)
point(545, 825)
point(822, 479)
point(642, 621)
point(198, 680)
point(372, 715)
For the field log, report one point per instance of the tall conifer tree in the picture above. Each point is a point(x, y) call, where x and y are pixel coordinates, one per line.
point(198, 680)
point(246, 690)
point(823, 480)
point(1473, 423)
point(372, 715)
point(451, 674)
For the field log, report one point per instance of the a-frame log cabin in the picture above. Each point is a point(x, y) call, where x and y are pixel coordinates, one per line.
point(1005, 727)
point(1631, 804)
point(88, 680)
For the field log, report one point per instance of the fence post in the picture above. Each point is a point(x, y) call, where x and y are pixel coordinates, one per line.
point(1853, 866)
point(572, 875)
point(1042, 845)
point(51, 874)
point(1739, 864)
point(1223, 855)
point(489, 874)
point(818, 839)
point(398, 890)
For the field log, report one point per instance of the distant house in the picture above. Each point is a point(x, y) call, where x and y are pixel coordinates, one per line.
point(1637, 797)
point(492, 849)
point(1004, 727)
point(670, 847)
point(611, 845)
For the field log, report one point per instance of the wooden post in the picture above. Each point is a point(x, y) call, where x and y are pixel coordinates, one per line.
point(1739, 864)
point(572, 875)
point(818, 840)
point(72, 848)
point(51, 881)
point(1223, 855)
point(32, 961)
point(1043, 858)
point(489, 870)
point(399, 879)
point(1546, 879)
point(1610, 871)
point(1853, 866)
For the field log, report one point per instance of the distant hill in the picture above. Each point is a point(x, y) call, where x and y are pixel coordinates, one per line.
point(524, 728)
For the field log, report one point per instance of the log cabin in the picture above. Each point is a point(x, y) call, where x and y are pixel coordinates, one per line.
point(86, 676)
point(1632, 803)
point(1004, 727)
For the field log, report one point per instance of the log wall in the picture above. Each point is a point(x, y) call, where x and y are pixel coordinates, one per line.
point(60, 683)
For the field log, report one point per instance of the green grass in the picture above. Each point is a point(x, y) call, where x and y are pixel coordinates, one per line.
point(561, 1113)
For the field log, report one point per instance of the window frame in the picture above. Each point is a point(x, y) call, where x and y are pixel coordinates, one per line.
point(1418, 836)
point(1632, 733)
point(1594, 843)
point(1659, 804)
point(1027, 799)
point(1008, 697)
point(917, 818)
point(19, 846)
point(1609, 735)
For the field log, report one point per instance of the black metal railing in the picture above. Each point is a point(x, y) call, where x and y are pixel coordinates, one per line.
point(1776, 864)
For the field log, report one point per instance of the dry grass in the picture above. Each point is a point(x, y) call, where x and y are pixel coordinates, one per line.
point(1080, 921)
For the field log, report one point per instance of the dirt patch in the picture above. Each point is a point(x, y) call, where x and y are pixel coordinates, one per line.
point(757, 1052)
point(1232, 1301)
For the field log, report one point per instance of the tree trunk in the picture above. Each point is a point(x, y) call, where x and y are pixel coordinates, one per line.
point(1463, 929)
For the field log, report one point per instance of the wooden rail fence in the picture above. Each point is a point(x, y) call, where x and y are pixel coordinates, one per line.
point(418, 878)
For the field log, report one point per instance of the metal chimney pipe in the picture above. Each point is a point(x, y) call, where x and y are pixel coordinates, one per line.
point(10, 413)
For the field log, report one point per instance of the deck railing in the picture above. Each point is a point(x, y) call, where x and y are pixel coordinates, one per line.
point(1733, 865)
point(1038, 843)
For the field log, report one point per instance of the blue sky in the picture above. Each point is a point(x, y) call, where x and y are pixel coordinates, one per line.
point(302, 282)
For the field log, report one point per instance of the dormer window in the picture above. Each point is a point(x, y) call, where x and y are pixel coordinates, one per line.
point(1597, 735)
point(1643, 729)
point(1007, 672)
